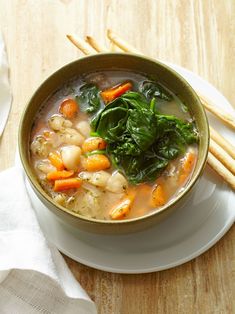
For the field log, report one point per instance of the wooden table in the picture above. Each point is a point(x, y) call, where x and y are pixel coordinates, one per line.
point(196, 34)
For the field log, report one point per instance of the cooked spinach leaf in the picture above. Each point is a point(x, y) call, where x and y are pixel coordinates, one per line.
point(89, 100)
point(152, 89)
point(141, 142)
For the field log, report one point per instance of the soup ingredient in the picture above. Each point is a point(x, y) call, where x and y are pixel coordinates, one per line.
point(121, 210)
point(97, 162)
point(66, 184)
point(98, 178)
point(60, 199)
point(56, 160)
point(93, 143)
point(71, 157)
point(151, 89)
point(83, 128)
point(140, 141)
point(159, 197)
point(71, 136)
point(56, 175)
point(117, 183)
point(89, 100)
point(40, 146)
point(110, 94)
point(58, 122)
point(187, 166)
point(45, 166)
point(69, 108)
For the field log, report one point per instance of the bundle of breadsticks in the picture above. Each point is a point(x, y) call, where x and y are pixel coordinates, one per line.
point(221, 155)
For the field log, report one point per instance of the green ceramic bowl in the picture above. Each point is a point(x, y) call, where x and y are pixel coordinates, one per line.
point(109, 61)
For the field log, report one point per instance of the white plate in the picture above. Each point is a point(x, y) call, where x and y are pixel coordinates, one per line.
point(187, 233)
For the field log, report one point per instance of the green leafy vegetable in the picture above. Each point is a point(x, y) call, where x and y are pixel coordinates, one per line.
point(89, 100)
point(152, 89)
point(141, 142)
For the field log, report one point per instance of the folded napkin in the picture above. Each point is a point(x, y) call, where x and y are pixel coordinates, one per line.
point(5, 94)
point(33, 275)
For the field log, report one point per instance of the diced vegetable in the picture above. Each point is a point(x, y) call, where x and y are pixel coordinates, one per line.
point(93, 143)
point(117, 183)
point(187, 166)
point(109, 95)
point(56, 160)
point(66, 184)
point(188, 162)
point(97, 163)
point(71, 157)
point(121, 210)
point(56, 175)
point(159, 197)
point(83, 128)
point(69, 108)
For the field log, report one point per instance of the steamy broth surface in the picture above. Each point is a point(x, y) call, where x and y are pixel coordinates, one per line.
point(113, 145)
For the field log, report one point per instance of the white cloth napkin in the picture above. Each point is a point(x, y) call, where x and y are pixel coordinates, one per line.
point(33, 275)
point(5, 94)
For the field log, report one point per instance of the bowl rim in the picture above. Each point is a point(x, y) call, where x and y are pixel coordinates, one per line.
point(155, 211)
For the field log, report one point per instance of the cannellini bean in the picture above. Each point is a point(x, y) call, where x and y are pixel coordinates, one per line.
point(117, 183)
point(71, 136)
point(45, 166)
point(40, 146)
point(71, 156)
point(84, 128)
point(99, 178)
point(57, 122)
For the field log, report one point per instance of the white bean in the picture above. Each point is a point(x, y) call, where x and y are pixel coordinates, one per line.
point(45, 166)
point(99, 178)
point(71, 136)
point(84, 128)
point(71, 156)
point(117, 183)
point(40, 146)
point(57, 122)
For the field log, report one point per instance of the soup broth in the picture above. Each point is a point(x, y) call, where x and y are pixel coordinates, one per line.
point(113, 145)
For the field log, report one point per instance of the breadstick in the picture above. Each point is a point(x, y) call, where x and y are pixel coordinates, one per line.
point(122, 44)
point(222, 156)
point(222, 115)
point(94, 44)
point(221, 141)
point(221, 170)
point(81, 44)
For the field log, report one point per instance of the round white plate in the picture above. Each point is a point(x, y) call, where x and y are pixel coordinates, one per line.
point(187, 233)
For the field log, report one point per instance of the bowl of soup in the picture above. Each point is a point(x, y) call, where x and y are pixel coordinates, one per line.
point(113, 143)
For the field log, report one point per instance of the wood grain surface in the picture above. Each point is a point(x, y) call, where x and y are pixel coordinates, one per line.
point(196, 34)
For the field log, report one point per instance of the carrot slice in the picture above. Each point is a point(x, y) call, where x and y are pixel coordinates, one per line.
point(187, 167)
point(97, 162)
point(66, 184)
point(56, 160)
point(56, 175)
point(69, 108)
point(159, 197)
point(189, 162)
point(121, 210)
point(114, 92)
point(93, 143)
